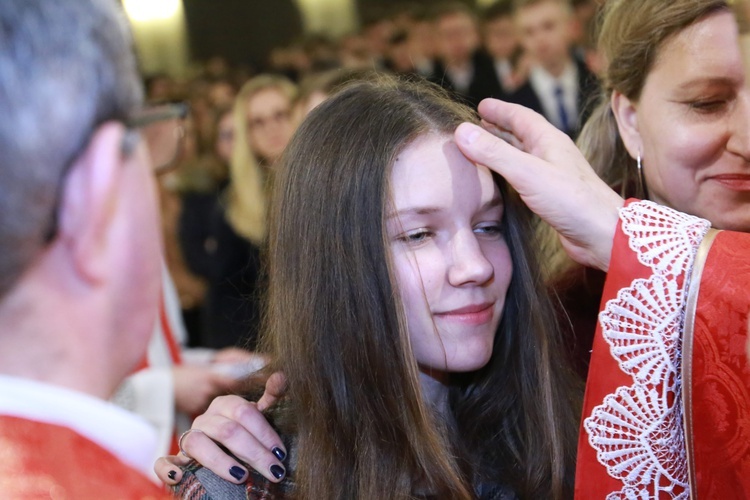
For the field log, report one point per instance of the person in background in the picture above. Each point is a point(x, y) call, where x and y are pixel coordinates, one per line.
point(461, 65)
point(377, 30)
point(262, 127)
point(352, 52)
point(80, 265)
point(500, 40)
point(317, 87)
point(559, 86)
point(422, 45)
point(201, 184)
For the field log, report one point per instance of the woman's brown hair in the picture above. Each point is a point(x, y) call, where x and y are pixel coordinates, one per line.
point(631, 34)
point(336, 325)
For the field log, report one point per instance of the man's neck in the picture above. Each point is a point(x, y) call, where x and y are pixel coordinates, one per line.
point(45, 337)
point(458, 64)
point(557, 68)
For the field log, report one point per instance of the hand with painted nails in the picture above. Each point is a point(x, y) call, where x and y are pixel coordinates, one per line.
point(239, 426)
point(550, 174)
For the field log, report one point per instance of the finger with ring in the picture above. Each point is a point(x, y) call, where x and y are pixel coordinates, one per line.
point(182, 438)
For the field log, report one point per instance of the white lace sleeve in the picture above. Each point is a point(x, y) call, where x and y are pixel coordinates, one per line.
point(637, 431)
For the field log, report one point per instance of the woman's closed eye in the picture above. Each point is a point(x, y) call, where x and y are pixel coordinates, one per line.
point(708, 107)
point(710, 104)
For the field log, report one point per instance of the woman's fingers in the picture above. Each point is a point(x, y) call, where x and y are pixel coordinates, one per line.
point(275, 390)
point(238, 426)
point(200, 447)
point(549, 173)
point(530, 128)
point(521, 170)
point(168, 468)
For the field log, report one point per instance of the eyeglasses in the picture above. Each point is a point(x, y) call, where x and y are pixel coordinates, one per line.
point(280, 116)
point(161, 126)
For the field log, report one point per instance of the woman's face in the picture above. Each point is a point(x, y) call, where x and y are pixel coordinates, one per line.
point(452, 263)
point(269, 124)
point(692, 125)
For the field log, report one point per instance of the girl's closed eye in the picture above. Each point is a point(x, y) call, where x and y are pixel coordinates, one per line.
point(492, 229)
point(415, 236)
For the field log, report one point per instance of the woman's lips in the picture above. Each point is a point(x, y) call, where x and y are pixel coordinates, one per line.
point(476, 314)
point(736, 182)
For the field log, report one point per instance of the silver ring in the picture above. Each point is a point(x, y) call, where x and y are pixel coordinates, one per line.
point(183, 436)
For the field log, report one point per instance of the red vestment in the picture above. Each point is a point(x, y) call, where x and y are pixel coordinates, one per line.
point(40, 460)
point(667, 407)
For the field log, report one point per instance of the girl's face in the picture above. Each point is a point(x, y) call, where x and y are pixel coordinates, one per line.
point(691, 124)
point(452, 262)
point(269, 124)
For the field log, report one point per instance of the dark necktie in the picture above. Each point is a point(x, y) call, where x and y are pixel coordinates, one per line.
point(561, 111)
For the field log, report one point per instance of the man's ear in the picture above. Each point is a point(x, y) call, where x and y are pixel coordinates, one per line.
point(627, 122)
point(89, 199)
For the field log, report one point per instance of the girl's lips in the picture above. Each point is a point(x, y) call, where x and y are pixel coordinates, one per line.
point(473, 314)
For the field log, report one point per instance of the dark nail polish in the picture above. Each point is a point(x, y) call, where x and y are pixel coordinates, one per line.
point(279, 453)
point(172, 474)
point(277, 471)
point(237, 472)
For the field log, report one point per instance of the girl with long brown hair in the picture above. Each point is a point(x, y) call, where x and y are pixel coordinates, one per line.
point(407, 312)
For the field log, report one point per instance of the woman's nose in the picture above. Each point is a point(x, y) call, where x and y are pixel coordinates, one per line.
point(739, 126)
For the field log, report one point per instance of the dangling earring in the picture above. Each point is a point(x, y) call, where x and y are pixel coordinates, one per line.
point(642, 189)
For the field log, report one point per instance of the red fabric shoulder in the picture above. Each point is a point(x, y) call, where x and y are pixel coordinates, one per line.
point(41, 460)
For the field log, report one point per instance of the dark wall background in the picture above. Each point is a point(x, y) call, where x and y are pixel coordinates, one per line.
point(369, 9)
point(242, 31)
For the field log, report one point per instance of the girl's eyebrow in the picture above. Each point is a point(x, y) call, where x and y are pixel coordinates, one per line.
point(495, 202)
point(418, 210)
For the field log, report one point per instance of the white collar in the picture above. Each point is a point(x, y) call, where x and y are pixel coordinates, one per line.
point(544, 85)
point(542, 78)
point(122, 433)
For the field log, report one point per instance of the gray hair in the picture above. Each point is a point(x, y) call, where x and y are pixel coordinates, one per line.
point(65, 68)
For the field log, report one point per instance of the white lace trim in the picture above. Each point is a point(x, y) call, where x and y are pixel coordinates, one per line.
point(637, 431)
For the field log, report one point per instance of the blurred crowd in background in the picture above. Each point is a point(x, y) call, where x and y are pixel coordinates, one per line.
point(542, 55)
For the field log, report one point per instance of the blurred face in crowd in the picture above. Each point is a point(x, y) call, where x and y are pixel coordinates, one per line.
point(452, 263)
point(269, 124)
point(225, 137)
point(457, 37)
point(544, 29)
point(697, 92)
point(500, 37)
point(221, 94)
point(377, 35)
point(422, 40)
